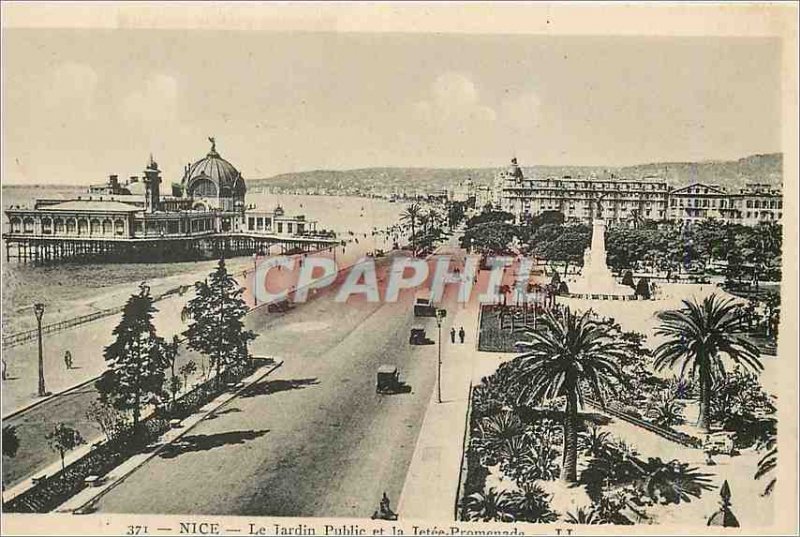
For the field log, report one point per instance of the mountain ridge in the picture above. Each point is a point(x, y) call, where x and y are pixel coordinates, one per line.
point(730, 174)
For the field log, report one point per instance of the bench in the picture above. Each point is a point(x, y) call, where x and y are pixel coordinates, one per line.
point(39, 479)
point(93, 480)
point(175, 423)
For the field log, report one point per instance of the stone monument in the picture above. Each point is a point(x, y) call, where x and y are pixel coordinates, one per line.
point(596, 277)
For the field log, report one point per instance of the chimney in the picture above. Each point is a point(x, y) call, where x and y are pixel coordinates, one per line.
point(113, 182)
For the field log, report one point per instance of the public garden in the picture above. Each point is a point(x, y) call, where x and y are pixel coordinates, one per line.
point(650, 408)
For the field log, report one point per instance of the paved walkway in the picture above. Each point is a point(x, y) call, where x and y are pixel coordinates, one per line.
point(53, 467)
point(83, 501)
point(431, 488)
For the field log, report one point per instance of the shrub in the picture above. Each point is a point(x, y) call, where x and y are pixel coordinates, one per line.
point(627, 279)
point(643, 288)
point(742, 406)
point(489, 506)
point(531, 504)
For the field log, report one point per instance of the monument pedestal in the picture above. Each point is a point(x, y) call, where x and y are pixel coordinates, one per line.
point(596, 277)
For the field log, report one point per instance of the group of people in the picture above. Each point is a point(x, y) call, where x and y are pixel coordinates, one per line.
point(461, 334)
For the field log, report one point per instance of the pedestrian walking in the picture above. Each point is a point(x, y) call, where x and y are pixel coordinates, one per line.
point(68, 359)
point(461, 334)
point(452, 335)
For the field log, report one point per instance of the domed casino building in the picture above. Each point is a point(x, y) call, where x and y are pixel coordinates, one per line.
point(205, 214)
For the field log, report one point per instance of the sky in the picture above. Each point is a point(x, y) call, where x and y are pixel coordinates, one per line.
point(79, 105)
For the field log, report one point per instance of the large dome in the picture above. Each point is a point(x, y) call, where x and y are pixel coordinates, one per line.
point(213, 177)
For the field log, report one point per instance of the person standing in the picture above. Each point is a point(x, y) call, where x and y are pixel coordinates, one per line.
point(461, 334)
point(452, 334)
point(68, 359)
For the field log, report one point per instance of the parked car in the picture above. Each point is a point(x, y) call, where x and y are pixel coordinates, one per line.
point(719, 442)
point(423, 306)
point(418, 336)
point(388, 379)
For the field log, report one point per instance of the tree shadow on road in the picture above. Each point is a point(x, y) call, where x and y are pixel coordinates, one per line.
point(215, 415)
point(205, 442)
point(275, 386)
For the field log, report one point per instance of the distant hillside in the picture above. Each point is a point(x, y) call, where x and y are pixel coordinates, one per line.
point(730, 174)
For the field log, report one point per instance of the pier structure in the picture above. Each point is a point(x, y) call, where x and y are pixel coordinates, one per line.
point(205, 216)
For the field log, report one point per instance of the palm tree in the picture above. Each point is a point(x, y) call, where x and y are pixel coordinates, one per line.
point(767, 464)
point(493, 506)
point(411, 216)
point(595, 442)
point(572, 352)
point(532, 504)
point(583, 515)
point(696, 335)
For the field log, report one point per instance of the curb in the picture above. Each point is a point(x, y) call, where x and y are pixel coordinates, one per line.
point(38, 402)
point(110, 486)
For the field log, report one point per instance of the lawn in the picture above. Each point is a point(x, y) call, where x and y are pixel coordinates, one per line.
point(494, 339)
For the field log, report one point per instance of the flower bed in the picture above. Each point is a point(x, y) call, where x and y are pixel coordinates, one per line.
point(54, 490)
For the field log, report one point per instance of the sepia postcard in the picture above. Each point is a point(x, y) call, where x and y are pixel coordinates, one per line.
point(425, 269)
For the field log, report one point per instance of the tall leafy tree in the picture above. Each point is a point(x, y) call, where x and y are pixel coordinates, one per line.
point(217, 327)
point(572, 354)
point(697, 335)
point(135, 359)
point(10, 441)
point(62, 439)
point(411, 216)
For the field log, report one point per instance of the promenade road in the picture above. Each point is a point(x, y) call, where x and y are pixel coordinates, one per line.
point(86, 344)
point(314, 438)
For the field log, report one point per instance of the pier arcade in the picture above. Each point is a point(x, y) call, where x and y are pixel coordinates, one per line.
point(205, 216)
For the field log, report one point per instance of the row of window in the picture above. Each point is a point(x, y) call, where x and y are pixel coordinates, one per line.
point(70, 226)
point(595, 185)
point(736, 215)
point(94, 226)
point(751, 204)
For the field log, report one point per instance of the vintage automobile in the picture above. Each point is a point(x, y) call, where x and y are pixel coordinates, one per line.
point(388, 379)
point(721, 442)
point(423, 305)
point(418, 336)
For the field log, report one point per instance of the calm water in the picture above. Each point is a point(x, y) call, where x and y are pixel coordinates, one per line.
point(339, 213)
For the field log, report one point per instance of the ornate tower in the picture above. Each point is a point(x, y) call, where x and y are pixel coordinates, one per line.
point(152, 190)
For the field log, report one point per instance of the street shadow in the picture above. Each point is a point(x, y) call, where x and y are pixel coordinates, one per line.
point(275, 386)
point(215, 415)
point(205, 442)
point(399, 389)
point(595, 418)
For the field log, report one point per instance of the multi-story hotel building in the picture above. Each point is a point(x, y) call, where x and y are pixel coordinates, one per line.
point(618, 201)
point(625, 201)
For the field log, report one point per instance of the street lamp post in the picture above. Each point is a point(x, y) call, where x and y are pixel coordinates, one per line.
point(255, 272)
point(440, 315)
point(38, 309)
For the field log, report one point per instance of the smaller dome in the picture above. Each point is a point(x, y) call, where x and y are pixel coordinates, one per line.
point(514, 170)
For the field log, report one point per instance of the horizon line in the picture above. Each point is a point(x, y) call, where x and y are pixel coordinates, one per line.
point(449, 168)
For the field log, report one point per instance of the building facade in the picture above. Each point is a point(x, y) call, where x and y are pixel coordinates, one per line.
point(209, 201)
point(617, 201)
point(625, 202)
